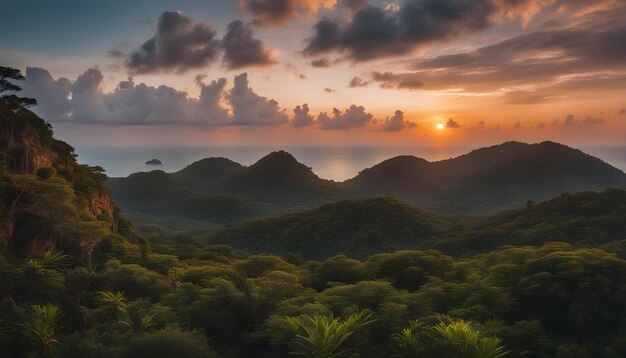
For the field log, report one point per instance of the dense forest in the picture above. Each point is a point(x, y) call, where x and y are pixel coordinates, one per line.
point(78, 280)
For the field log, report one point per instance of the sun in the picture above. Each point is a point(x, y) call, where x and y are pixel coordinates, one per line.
point(440, 126)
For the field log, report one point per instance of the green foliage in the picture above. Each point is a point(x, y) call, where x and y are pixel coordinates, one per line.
point(406, 343)
point(127, 294)
point(46, 172)
point(360, 227)
point(168, 343)
point(323, 336)
point(54, 261)
point(461, 333)
point(42, 330)
point(115, 302)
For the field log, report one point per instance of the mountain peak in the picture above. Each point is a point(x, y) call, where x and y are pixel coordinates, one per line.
point(279, 156)
point(210, 167)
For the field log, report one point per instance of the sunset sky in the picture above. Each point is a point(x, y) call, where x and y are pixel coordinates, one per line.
point(338, 72)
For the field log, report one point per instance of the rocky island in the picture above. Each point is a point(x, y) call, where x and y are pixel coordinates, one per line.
point(154, 162)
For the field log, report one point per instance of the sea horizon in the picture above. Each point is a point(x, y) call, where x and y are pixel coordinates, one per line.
point(337, 163)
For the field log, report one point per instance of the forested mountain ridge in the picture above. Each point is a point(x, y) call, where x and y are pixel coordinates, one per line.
point(484, 181)
point(220, 191)
point(488, 180)
point(360, 228)
point(355, 227)
point(49, 200)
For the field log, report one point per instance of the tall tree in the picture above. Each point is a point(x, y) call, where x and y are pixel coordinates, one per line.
point(15, 103)
point(6, 74)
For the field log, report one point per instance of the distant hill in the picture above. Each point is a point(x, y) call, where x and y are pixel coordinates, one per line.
point(355, 227)
point(158, 193)
point(279, 177)
point(206, 174)
point(484, 181)
point(589, 219)
point(359, 228)
point(488, 180)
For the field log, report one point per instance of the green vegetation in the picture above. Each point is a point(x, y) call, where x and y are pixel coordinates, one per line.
point(545, 301)
point(360, 228)
point(322, 336)
point(78, 280)
point(357, 227)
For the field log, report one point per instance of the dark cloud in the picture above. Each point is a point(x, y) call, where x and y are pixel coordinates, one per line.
point(451, 123)
point(571, 122)
point(241, 49)
point(384, 31)
point(353, 5)
point(330, 90)
point(396, 123)
point(179, 44)
point(252, 109)
point(321, 63)
point(558, 60)
point(116, 53)
point(276, 12)
point(269, 12)
point(301, 116)
point(622, 111)
point(353, 117)
point(393, 80)
point(358, 82)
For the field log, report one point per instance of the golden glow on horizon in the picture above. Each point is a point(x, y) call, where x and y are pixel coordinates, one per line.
point(440, 126)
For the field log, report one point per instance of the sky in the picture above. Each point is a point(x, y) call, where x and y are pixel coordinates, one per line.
point(322, 72)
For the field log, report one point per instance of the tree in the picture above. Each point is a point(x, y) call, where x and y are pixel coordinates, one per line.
point(322, 336)
point(14, 102)
point(17, 104)
point(8, 73)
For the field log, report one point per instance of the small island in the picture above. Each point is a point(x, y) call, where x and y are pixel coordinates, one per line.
point(154, 162)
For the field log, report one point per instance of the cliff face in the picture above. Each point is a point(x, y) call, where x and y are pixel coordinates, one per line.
point(101, 205)
point(48, 209)
point(29, 154)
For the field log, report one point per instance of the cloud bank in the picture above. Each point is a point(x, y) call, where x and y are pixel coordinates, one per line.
point(578, 50)
point(391, 30)
point(84, 101)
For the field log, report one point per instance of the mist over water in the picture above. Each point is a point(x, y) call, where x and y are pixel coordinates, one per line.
point(334, 162)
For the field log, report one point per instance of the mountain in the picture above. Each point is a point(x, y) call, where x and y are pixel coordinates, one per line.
point(280, 178)
point(484, 181)
point(205, 174)
point(588, 219)
point(354, 227)
point(160, 194)
point(359, 228)
point(219, 191)
point(488, 180)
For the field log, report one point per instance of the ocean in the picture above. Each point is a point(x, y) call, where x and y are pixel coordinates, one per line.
point(334, 162)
